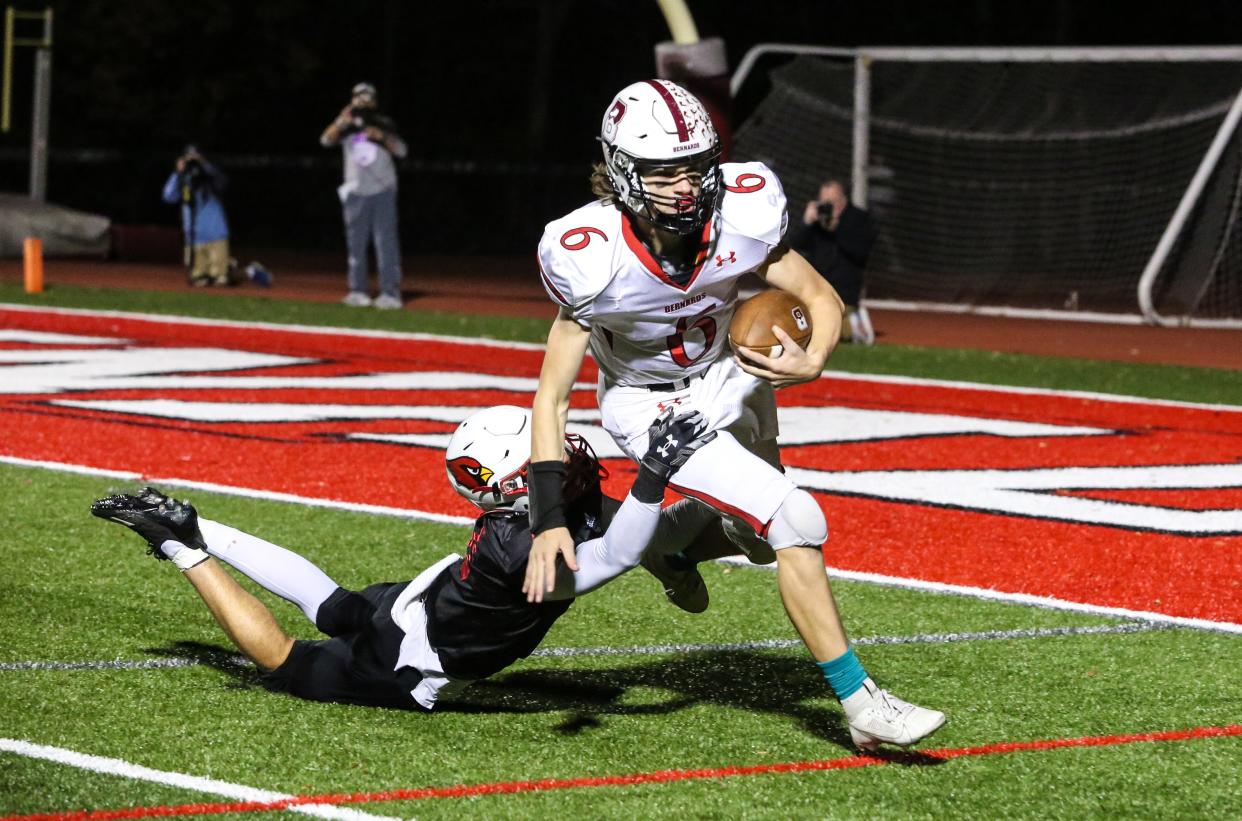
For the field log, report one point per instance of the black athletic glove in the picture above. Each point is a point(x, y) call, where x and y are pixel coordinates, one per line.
point(672, 440)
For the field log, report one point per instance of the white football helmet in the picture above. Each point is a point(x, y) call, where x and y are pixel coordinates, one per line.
point(658, 124)
point(488, 458)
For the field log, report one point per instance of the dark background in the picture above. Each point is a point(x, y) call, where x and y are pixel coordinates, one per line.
point(499, 101)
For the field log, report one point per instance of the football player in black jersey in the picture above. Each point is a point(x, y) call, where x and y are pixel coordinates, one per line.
point(406, 644)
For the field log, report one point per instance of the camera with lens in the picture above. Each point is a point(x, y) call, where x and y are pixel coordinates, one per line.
point(362, 118)
point(192, 172)
point(824, 209)
point(364, 115)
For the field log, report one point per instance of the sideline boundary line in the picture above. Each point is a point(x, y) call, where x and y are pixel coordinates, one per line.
point(848, 575)
point(649, 650)
point(116, 766)
point(656, 777)
point(327, 330)
point(231, 490)
point(1011, 312)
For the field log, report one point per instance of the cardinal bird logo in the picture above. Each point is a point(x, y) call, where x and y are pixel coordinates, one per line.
point(469, 473)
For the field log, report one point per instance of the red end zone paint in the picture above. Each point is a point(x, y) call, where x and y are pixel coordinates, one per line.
point(658, 777)
point(1107, 566)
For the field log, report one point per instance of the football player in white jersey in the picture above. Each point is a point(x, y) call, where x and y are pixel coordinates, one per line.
point(646, 277)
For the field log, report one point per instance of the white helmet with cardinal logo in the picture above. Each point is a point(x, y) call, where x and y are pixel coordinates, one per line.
point(488, 459)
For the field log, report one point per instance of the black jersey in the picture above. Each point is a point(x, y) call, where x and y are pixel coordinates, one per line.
point(478, 619)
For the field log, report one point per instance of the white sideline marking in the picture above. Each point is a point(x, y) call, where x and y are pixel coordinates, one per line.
point(115, 766)
point(327, 330)
point(1047, 602)
point(662, 649)
point(1005, 311)
point(1041, 313)
point(230, 490)
point(849, 575)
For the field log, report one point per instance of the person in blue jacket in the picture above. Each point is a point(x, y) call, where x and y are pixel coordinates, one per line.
point(197, 185)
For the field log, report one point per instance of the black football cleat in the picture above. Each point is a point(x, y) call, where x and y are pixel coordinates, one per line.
point(153, 516)
point(684, 586)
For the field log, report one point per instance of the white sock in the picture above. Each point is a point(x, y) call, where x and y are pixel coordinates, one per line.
point(183, 556)
point(860, 699)
point(276, 569)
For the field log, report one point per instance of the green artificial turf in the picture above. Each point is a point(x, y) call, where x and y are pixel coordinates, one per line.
point(77, 589)
point(74, 588)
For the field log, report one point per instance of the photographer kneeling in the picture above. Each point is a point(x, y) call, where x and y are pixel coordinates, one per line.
point(836, 237)
point(197, 185)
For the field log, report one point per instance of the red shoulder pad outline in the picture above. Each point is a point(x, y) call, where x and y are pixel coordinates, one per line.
point(550, 286)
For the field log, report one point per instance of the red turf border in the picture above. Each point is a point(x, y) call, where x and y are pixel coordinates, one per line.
point(657, 777)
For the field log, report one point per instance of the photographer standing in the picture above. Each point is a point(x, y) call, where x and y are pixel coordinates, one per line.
point(836, 237)
point(197, 185)
point(369, 141)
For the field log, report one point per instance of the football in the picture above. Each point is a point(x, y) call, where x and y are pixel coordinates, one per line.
point(752, 322)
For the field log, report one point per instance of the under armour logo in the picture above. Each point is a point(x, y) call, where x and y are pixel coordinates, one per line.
point(721, 260)
point(669, 442)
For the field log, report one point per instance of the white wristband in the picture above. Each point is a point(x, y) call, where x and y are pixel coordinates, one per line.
point(189, 557)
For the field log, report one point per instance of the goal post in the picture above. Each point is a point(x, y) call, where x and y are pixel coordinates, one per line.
point(1066, 179)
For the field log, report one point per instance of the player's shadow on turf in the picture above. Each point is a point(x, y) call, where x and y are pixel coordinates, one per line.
point(743, 680)
point(244, 674)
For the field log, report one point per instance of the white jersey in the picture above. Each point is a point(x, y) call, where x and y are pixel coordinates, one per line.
point(645, 328)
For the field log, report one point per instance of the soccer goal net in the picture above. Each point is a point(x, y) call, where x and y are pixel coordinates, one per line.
point(1038, 178)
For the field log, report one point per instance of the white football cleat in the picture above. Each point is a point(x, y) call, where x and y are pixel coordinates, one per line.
point(862, 332)
point(889, 720)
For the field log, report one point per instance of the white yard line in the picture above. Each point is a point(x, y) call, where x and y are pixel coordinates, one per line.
point(925, 638)
point(226, 789)
point(117, 664)
point(663, 649)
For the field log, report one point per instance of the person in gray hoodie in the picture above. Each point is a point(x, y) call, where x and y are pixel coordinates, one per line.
point(369, 143)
